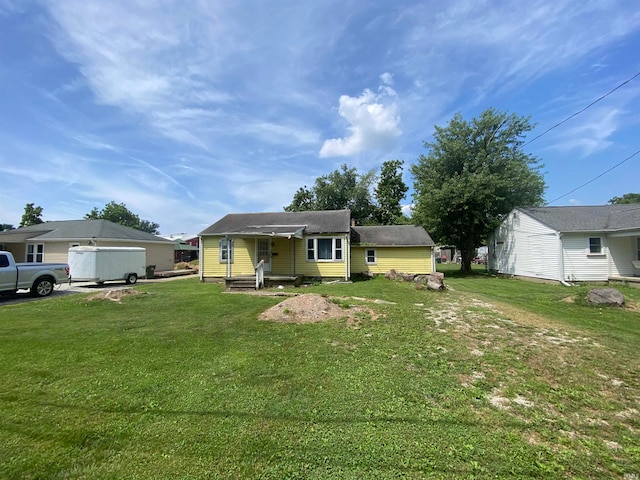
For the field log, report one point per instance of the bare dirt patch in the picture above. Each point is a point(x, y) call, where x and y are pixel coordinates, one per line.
point(116, 295)
point(313, 308)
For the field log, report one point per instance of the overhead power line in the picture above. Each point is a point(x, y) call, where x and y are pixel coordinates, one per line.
point(582, 110)
point(597, 177)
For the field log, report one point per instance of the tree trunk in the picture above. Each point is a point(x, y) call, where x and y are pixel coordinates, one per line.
point(466, 258)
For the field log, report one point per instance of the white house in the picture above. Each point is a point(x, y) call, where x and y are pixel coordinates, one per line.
point(583, 243)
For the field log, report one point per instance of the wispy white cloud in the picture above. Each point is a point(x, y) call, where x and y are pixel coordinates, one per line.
point(592, 133)
point(496, 46)
point(386, 78)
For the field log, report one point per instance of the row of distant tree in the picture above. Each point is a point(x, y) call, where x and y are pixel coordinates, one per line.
point(112, 211)
point(473, 174)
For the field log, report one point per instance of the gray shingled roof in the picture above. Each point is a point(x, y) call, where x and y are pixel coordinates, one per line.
point(281, 223)
point(392, 235)
point(78, 229)
point(599, 218)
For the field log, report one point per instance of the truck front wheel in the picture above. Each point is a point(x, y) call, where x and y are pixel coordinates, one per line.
point(42, 287)
point(131, 279)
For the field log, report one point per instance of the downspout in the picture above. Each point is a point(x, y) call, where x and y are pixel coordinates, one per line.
point(200, 272)
point(608, 253)
point(561, 262)
point(348, 254)
point(228, 256)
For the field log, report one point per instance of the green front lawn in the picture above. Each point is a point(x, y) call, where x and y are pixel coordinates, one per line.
point(493, 378)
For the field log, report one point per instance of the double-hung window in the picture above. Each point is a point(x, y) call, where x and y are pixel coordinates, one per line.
point(35, 253)
point(226, 250)
point(595, 245)
point(324, 249)
point(370, 254)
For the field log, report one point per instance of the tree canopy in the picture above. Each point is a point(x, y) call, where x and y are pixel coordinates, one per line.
point(119, 213)
point(625, 199)
point(32, 215)
point(6, 226)
point(346, 188)
point(474, 173)
point(390, 190)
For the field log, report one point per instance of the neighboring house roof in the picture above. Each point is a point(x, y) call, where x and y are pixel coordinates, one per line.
point(185, 247)
point(78, 229)
point(392, 235)
point(599, 218)
point(180, 237)
point(282, 223)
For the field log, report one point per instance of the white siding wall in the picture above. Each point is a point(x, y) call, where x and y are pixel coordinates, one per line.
point(579, 265)
point(523, 246)
point(622, 251)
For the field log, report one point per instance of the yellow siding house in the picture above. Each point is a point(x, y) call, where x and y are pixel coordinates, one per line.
point(314, 244)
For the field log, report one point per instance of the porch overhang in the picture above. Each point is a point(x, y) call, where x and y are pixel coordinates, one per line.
point(283, 231)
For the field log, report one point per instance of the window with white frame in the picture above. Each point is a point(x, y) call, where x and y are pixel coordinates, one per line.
point(35, 253)
point(638, 248)
point(226, 250)
point(324, 249)
point(370, 256)
point(595, 245)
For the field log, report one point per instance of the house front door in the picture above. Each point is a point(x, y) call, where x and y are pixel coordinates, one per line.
point(264, 253)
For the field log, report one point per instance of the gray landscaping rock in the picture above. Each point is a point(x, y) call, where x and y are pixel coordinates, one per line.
point(391, 275)
point(605, 296)
point(436, 281)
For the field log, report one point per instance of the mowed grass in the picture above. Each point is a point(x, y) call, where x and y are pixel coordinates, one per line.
point(492, 378)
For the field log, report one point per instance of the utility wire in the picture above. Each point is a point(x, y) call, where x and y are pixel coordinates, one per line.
point(580, 111)
point(595, 178)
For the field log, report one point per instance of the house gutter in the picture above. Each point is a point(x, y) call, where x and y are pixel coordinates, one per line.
point(561, 262)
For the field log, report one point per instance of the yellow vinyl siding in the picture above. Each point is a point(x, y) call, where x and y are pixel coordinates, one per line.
point(321, 269)
point(211, 266)
point(282, 256)
point(401, 259)
point(243, 256)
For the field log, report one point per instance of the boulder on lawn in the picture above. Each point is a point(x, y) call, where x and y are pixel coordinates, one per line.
point(435, 281)
point(605, 296)
point(391, 274)
point(422, 279)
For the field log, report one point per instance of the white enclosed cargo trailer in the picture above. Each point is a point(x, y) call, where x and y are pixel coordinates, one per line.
point(102, 264)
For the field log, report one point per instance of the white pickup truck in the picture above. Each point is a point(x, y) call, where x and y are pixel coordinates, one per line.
point(38, 278)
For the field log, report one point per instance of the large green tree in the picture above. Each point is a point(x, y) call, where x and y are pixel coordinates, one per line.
point(473, 174)
point(119, 213)
point(389, 192)
point(32, 215)
point(340, 189)
point(346, 188)
point(625, 199)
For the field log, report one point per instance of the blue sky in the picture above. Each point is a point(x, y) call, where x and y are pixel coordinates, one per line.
point(186, 111)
